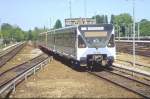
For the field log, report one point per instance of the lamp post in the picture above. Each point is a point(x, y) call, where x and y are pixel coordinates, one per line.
point(133, 7)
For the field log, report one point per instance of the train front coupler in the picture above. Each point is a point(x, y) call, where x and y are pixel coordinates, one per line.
point(93, 59)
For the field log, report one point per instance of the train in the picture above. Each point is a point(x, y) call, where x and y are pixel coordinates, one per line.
point(84, 45)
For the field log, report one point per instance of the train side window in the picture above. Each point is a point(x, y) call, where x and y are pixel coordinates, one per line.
point(111, 42)
point(81, 43)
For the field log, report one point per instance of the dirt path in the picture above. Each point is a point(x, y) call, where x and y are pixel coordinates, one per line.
point(59, 81)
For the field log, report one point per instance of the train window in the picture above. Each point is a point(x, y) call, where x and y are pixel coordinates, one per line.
point(81, 43)
point(111, 42)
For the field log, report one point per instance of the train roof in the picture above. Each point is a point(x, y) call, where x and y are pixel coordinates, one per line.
point(68, 27)
point(71, 27)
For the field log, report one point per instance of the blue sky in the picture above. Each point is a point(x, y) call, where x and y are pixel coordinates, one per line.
point(28, 14)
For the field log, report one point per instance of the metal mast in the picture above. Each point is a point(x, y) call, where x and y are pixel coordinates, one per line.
point(70, 8)
point(50, 22)
point(0, 28)
point(85, 10)
point(133, 4)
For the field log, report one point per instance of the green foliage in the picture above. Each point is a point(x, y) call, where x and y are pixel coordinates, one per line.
point(98, 19)
point(18, 34)
point(145, 27)
point(33, 34)
point(106, 19)
point(58, 24)
point(11, 33)
point(0, 34)
point(101, 19)
point(30, 36)
point(7, 30)
point(123, 19)
point(112, 20)
point(14, 33)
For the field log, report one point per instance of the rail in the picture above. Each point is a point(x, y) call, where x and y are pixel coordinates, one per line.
point(7, 55)
point(24, 75)
point(127, 82)
point(137, 38)
point(131, 70)
point(10, 48)
point(142, 47)
point(137, 63)
point(137, 41)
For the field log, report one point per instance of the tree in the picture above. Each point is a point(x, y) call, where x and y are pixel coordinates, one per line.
point(0, 34)
point(112, 20)
point(106, 19)
point(35, 33)
point(144, 27)
point(18, 34)
point(100, 19)
point(124, 18)
point(7, 31)
point(123, 30)
point(12, 33)
point(30, 36)
point(58, 24)
point(144, 20)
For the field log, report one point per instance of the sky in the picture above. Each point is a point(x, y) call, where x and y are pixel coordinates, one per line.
point(28, 14)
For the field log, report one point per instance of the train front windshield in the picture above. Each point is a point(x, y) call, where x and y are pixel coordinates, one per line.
point(96, 36)
point(96, 39)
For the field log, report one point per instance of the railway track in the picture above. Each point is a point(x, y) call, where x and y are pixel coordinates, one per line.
point(131, 83)
point(11, 53)
point(11, 74)
point(137, 63)
point(142, 48)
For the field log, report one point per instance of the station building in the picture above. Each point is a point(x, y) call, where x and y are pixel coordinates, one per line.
point(79, 21)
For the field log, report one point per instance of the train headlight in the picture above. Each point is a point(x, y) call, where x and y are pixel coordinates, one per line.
point(83, 60)
point(110, 59)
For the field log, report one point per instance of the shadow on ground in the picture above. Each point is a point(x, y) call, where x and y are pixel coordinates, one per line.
point(72, 64)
